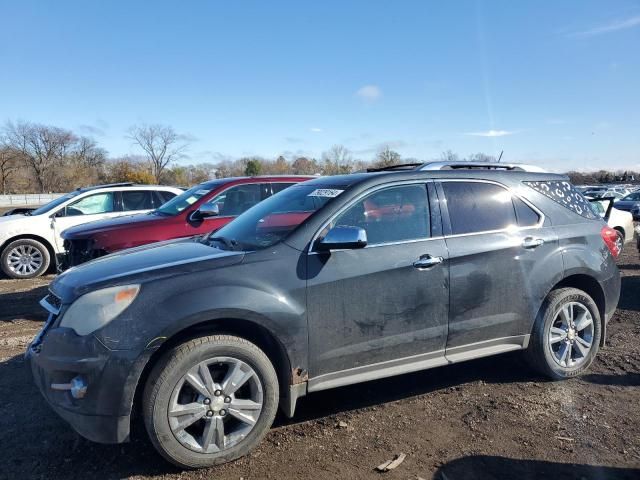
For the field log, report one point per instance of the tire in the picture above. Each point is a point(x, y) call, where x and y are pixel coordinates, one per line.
point(25, 258)
point(167, 389)
point(547, 357)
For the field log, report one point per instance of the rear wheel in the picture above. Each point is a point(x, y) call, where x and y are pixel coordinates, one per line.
point(210, 401)
point(25, 258)
point(566, 336)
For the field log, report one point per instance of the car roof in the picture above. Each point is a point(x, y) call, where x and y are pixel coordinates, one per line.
point(261, 178)
point(501, 176)
point(125, 185)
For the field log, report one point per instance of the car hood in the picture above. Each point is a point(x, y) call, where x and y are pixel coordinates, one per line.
point(140, 265)
point(99, 226)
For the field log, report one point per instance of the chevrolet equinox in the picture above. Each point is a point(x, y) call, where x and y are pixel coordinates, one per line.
point(330, 282)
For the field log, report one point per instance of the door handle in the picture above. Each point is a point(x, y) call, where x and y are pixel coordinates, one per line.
point(531, 242)
point(427, 261)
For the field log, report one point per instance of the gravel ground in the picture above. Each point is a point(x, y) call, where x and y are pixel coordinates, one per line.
point(486, 419)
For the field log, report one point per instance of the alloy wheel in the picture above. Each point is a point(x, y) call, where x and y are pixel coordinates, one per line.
point(215, 405)
point(571, 335)
point(24, 260)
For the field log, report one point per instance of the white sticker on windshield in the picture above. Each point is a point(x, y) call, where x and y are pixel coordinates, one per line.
point(202, 192)
point(325, 192)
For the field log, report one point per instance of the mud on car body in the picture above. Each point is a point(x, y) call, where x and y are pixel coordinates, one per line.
point(331, 282)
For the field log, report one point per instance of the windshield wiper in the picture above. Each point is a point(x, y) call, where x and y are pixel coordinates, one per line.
point(227, 242)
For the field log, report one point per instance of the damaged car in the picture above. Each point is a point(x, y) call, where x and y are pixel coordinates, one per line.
point(330, 282)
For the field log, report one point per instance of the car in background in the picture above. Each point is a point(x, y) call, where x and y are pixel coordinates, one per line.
point(201, 209)
point(630, 203)
point(29, 241)
point(620, 221)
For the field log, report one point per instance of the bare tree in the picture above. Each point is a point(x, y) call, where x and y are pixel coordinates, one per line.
point(387, 157)
point(42, 147)
point(8, 165)
point(161, 144)
point(336, 160)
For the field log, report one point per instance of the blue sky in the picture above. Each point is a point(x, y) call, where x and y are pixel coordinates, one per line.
point(552, 83)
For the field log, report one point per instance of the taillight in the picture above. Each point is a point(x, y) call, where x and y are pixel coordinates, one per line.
point(612, 240)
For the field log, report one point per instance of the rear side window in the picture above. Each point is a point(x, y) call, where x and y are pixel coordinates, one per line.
point(278, 187)
point(393, 214)
point(527, 216)
point(566, 195)
point(478, 207)
point(136, 200)
point(162, 196)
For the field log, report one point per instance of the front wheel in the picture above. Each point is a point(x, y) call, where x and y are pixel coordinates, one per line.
point(210, 400)
point(25, 258)
point(566, 335)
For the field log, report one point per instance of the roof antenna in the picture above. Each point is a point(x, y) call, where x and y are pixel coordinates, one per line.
point(500, 157)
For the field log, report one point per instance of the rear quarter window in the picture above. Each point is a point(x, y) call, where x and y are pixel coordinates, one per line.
point(565, 194)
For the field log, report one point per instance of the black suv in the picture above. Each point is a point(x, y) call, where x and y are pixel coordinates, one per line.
point(331, 282)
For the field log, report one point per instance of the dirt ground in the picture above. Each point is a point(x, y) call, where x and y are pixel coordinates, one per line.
point(486, 419)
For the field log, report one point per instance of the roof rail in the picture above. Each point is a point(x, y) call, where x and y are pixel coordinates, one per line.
point(392, 168)
point(107, 185)
point(517, 167)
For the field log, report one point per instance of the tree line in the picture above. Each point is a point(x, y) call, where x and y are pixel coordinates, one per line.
point(45, 158)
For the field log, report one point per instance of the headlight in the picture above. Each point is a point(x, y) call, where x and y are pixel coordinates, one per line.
point(94, 310)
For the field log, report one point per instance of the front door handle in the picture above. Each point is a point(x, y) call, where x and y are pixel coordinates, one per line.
point(531, 242)
point(427, 261)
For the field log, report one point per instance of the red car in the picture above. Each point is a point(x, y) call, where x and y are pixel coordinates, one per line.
point(201, 209)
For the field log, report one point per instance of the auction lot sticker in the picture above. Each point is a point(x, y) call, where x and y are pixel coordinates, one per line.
point(325, 192)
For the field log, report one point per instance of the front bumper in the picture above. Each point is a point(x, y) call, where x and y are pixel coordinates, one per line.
point(103, 414)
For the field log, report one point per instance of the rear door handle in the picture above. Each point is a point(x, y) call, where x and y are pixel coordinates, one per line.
point(531, 242)
point(427, 261)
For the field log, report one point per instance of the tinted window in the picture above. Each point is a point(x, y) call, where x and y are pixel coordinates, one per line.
point(527, 216)
point(136, 200)
point(391, 215)
point(635, 197)
point(163, 196)
point(565, 194)
point(91, 205)
point(478, 207)
point(278, 187)
point(236, 200)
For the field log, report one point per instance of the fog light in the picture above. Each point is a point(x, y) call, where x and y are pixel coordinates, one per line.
point(77, 387)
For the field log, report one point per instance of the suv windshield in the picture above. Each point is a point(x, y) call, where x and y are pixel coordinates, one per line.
point(54, 203)
point(272, 220)
point(184, 200)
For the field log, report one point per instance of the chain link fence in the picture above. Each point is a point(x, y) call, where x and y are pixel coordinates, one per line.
point(27, 199)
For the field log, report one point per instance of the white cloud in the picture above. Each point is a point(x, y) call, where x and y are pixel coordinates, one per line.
point(369, 93)
point(616, 25)
point(491, 133)
point(316, 129)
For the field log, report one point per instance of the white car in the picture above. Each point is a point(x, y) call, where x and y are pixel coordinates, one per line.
point(619, 220)
point(30, 241)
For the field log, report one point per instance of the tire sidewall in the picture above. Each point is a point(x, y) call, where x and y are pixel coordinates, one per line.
point(46, 258)
point(158, 424)
point(550, 314)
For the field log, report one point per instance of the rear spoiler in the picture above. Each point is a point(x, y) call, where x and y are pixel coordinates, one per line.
point(611, 200)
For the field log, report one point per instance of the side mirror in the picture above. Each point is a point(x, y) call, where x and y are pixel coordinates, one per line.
point(206, 211)
point(343, 237)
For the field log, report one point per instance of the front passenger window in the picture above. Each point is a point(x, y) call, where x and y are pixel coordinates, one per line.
point(393, 214)
point(91, 205)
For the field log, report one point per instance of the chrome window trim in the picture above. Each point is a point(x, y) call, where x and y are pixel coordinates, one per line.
point(516, 228)
point(424, 182)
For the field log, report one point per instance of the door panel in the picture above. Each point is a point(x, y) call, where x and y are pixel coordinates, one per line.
point(497, 280)
point(87, 209)
point(373, 305)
